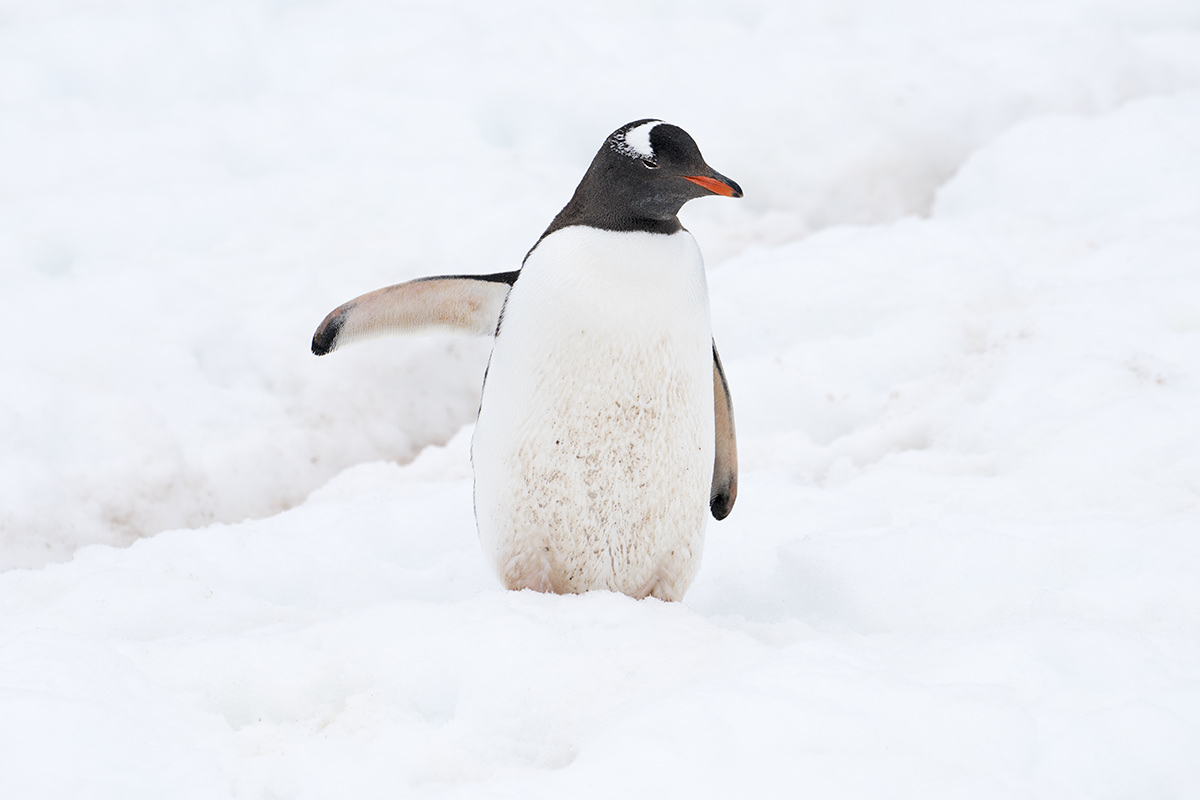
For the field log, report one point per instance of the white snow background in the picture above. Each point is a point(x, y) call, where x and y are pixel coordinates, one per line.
point(959, 308)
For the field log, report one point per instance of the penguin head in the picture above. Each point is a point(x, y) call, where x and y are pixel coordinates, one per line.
point(656, 167)
point(642, 175)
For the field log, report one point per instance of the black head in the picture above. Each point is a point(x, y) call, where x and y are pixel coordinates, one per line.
point(642, 176)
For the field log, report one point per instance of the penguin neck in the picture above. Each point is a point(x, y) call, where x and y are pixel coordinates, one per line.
point(566, 219)
point(607, 217)
point(612, 199)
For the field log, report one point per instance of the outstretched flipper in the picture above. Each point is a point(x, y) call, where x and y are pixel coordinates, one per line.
point(467, 303)
point(725, 468)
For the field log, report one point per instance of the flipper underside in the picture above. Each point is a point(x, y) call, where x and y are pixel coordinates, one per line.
point(466, 303)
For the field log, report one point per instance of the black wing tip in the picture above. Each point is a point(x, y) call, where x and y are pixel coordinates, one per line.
point(325, 339)
point(721, 502)
point(720, 505)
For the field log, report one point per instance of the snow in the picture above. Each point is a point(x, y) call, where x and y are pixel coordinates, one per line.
point(959, 309)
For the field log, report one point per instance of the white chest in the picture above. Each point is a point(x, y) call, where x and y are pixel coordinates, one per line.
point(593, 451)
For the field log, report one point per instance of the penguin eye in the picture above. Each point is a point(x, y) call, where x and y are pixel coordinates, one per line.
point(650, 163)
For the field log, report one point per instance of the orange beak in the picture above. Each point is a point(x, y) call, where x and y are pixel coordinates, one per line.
point(716, 186)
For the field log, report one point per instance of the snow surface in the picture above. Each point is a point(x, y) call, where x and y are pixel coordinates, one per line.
point(959, 309)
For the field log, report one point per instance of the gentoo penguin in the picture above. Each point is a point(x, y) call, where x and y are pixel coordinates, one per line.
point(605, 430)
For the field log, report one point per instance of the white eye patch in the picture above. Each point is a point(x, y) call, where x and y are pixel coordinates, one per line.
point(635, 142)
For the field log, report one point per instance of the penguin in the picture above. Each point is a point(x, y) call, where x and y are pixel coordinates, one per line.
point(605, 432)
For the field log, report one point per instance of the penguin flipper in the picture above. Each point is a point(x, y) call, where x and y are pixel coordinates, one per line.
point(466, 303)
point(725, 468)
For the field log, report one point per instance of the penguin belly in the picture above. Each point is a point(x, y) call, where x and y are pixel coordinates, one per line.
point(593, 451)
